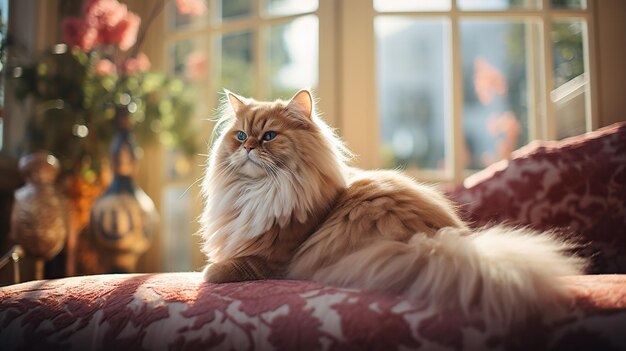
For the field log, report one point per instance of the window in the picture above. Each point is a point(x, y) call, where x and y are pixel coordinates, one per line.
point(460, 84)
point(264, 49)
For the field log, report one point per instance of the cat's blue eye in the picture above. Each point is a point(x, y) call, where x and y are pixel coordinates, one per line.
point(269, 135)
point(241, 136)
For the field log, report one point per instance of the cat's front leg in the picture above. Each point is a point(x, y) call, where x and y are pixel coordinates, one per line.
point(237, 269)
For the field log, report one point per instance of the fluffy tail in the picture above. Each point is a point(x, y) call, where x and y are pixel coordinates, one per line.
point(506, 274)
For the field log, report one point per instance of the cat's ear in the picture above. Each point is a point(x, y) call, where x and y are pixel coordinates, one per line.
point(303, 102)
point(236, 102)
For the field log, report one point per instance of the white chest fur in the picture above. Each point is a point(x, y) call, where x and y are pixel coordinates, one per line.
point(246, 208)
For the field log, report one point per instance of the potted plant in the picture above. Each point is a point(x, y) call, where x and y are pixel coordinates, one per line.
point(79, 88)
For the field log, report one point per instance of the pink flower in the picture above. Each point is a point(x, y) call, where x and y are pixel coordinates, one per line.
point(191, 7)
point(124, 34)
point(105, 67)
point(488, 81)
point(104, 13)
point(196, 66)
point(77, 33)
point(138, 64)
point(105, 22)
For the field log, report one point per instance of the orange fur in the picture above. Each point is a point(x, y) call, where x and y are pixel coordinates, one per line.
point(291, 207)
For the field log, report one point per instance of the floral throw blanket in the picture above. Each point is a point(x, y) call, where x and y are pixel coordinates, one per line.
point(178, 311)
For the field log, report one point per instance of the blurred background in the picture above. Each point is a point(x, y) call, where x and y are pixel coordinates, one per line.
point(437, 88)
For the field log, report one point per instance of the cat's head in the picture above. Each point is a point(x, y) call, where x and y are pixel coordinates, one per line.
point(277, 141)
point(272, 163)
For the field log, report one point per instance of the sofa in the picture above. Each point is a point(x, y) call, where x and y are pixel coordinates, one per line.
point(575, 187)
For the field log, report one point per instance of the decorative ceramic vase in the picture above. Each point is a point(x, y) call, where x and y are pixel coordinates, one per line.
point(124, 218)
point(38, 220)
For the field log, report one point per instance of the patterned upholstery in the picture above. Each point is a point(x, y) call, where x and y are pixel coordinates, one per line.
point(576, 186)
point(177, 311)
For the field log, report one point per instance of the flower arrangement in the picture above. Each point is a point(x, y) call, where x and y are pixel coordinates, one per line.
point(79, 85)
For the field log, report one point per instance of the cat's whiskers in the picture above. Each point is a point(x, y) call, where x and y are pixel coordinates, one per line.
point(270, 169)
point(201, 178)
point(291, 175)
point(271, 172)
point(226, 164)
point(276, 167)
point(225, 169)
point(276, 174)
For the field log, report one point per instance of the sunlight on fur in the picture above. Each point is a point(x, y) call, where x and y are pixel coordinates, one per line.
point(281, 202)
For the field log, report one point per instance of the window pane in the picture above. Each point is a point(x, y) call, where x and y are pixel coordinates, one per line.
point(289, 7)
point(493, 5)
point(188, 59)
point(236, 72)
point(413, 75)
point(411, 5)
point(497, 61)
point(179, 21)
point(293, 56)
point(569, 4)
point(176, 240)
point(568, 52)
point(570, 80)
point(230, 9)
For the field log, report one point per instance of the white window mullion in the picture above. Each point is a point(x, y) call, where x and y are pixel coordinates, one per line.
point(259, 37)
point(591, 102)
point(215, 62)
point(209, 93)
point(358, 110)
point(328, 84)
point(549, 122)
point(536, 83)
point(457, 137)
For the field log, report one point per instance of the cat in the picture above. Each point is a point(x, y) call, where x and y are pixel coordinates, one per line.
point(282, 202)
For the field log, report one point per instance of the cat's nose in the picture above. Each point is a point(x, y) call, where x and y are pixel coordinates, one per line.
point(248, 148)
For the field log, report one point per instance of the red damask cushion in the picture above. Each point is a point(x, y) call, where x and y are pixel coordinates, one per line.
point(577, 186)
point(178, 311)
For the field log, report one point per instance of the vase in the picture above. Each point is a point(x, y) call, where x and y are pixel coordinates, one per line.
point(38, 219)
point(123, 219)
point(81, 256)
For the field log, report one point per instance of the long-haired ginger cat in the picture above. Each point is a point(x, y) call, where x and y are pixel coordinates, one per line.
point(281, 202)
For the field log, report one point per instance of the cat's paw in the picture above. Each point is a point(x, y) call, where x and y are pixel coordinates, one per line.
point(221, 273)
